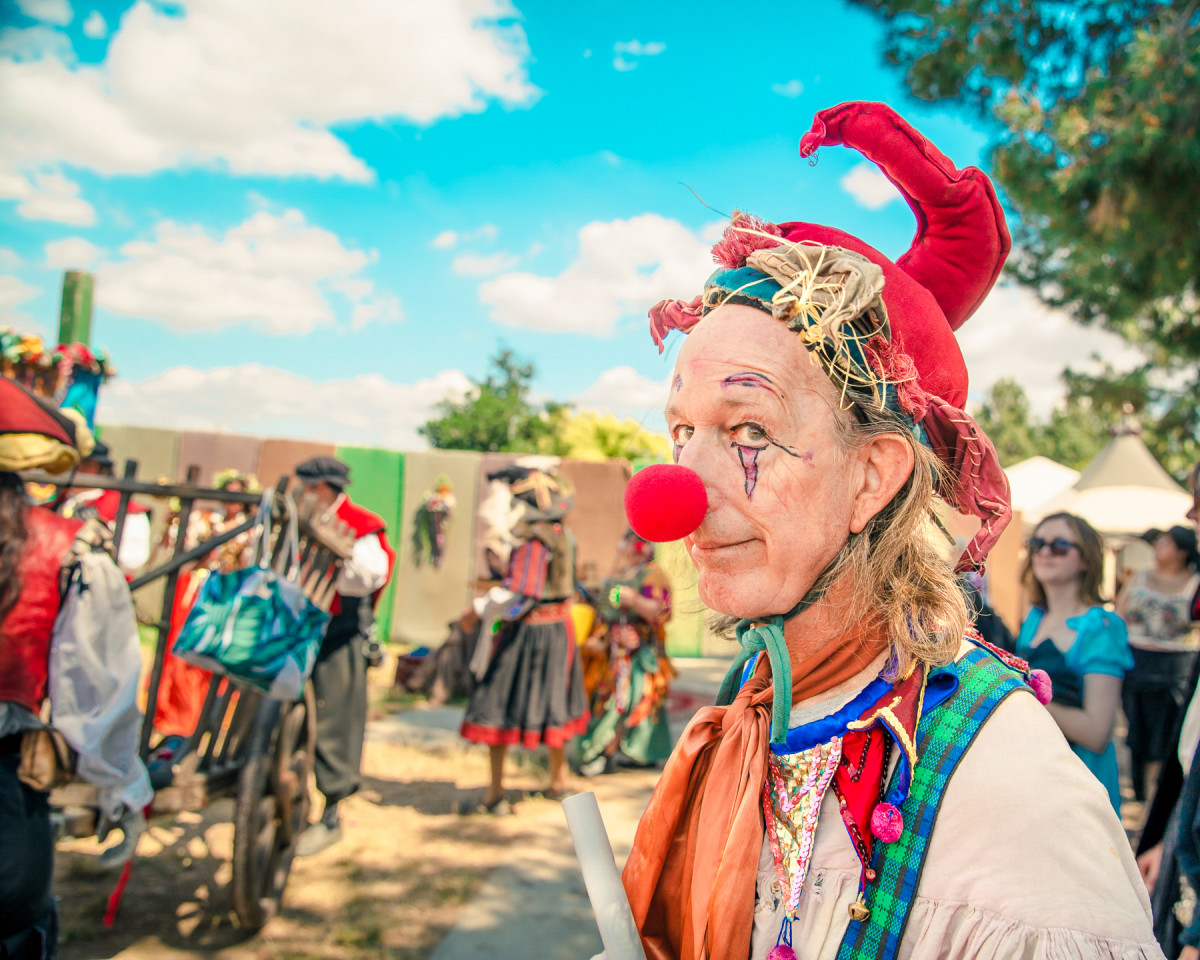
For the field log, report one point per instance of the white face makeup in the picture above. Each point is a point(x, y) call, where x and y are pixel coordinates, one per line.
point(754, 418)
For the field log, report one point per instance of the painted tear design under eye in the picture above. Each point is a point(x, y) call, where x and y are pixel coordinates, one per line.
point(676, 450)
point(749, 460)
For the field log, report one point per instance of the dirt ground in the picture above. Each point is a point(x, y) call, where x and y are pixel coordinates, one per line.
point(391, 890)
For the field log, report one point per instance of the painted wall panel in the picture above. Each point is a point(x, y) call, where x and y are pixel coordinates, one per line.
point(278, 457)
point(214, 452)
point(377, 478)
point(428, 597)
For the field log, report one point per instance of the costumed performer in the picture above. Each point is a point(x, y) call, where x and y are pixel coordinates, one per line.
point(873, 782)
point(85, 502)
point(67, 636)
point(629, 705)
point(1155, 605)
point(1169, 847)
point(529, 688)
point(1082, 647)
point(340, 674)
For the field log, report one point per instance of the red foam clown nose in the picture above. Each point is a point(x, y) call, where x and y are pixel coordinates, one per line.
point(665, 502)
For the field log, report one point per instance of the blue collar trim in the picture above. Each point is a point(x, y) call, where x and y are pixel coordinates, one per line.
point(808, 735)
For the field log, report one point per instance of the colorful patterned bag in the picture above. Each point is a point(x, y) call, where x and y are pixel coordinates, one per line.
point(255, 625)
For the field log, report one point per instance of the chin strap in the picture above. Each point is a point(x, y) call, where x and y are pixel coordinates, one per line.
point(755, 636)
point(765, 634)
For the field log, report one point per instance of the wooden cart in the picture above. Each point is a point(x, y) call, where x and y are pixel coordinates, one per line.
point(258, 750)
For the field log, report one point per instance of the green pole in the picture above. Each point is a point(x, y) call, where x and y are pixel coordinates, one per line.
point(75, 322)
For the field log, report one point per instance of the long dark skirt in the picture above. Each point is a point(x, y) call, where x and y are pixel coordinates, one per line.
point(533, 690)
point(27, 916)
point(1154, 697)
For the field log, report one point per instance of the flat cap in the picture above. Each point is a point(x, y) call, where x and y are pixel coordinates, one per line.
point(328, 470)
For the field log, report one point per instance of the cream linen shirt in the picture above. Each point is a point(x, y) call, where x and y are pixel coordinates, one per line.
point(1027, 860)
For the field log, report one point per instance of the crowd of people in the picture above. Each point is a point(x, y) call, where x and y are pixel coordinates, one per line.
point(887, 772)
point(70, 657)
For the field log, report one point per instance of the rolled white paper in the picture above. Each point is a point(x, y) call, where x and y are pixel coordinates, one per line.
point(618, 932)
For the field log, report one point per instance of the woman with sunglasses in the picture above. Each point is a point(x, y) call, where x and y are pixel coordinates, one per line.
point(1083, 647)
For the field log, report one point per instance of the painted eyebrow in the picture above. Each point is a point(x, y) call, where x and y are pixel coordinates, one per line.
point(747, 379)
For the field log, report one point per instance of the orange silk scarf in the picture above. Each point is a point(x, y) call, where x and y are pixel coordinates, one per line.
point(691, 874)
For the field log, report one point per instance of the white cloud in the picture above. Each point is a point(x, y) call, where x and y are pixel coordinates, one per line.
point(47, 196)
point(57, 12)
point(612, 159)
point(792, 89)
point(626, 53)
point(276, 77)
point(867, 185)
point(635, 48)
point(382, 308)
point(623, 267)
point(449, 239)
point(267, 401)
point(1014, 335)
point(477, 265)
point(9, 258)
point(33, 43)
point(70, 253)
point(624, 392)
point(278, 271)
point(95, 27)
point(13, 293)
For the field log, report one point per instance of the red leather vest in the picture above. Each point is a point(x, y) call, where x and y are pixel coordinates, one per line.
point(25, 632)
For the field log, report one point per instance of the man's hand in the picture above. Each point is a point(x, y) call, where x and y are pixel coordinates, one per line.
point(1188, 953)
point(1149, 863)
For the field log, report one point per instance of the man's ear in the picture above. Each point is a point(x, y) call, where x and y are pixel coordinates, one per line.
point(887, 463)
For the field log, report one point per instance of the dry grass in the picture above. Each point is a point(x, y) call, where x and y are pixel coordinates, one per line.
point(391, 890)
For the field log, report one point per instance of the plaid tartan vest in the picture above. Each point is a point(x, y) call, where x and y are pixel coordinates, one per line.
point(944, 735)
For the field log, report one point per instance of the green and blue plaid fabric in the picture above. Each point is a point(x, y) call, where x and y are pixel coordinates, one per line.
point(944, 735)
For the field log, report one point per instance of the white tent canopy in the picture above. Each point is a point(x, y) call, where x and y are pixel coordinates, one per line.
point(1123, 491)
point(1036, 481)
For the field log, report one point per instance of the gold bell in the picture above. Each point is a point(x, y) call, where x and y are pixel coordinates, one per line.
point(859, 911)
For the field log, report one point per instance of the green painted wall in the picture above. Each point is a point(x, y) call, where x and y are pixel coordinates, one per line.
point(377, 483)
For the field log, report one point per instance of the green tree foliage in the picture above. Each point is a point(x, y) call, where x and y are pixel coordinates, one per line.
point(1073, 435)
point(497, 415)
point(1006, 419)
point(1094, 107)
point(599, 436)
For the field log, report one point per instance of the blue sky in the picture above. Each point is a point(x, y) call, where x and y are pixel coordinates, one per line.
point(315, 219)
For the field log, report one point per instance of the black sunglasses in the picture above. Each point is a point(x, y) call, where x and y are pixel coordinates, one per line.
point(1059, 546)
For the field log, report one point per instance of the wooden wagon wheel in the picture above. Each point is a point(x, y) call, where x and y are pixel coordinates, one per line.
point(271, 808)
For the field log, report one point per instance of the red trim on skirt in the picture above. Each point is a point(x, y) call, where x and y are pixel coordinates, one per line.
point(530, 739)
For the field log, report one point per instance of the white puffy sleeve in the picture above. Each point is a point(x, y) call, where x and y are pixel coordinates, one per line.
point(366, 570)
point(94, 667)
point(135, 543)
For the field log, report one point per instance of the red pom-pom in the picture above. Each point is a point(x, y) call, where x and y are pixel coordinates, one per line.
point(665, 502)
point(1043, 687)
point(782, 952)
point(887, 823)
